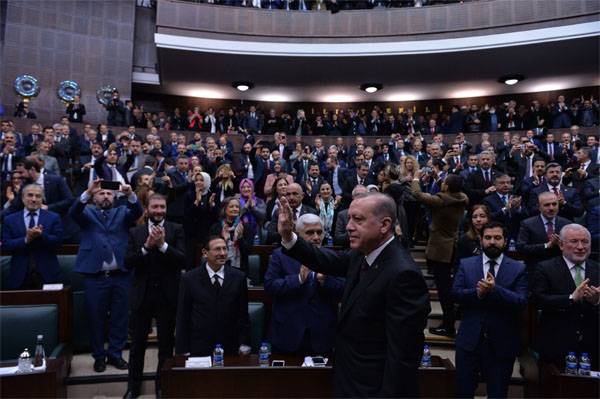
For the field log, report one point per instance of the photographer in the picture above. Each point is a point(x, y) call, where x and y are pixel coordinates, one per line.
point(447, 208)
point(116, 110)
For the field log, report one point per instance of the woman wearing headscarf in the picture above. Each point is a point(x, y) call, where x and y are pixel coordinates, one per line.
point(253, 208)
point(198, 215)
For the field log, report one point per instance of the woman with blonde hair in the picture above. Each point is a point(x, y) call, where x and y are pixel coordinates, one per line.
point(224, 184)
point(408, 167)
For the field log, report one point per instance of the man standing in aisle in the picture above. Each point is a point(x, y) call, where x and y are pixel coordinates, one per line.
point(101, 259)
point(156, 253)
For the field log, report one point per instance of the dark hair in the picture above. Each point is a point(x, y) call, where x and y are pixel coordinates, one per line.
point(494, 225)
point(552, 165)
point(32, 162)
point(471, 232)
point(211, 239)
point(157, 196)
point(500, 176)
point(454, 183)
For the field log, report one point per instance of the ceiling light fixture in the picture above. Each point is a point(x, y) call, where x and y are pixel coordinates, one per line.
point(511, 79)
point(371, 87)
point(243, 86)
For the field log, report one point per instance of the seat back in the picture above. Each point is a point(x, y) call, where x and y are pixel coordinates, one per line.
point(4, 271)
point(256, 311)
point(22, 324)
point(254, 269)
point(69, 277)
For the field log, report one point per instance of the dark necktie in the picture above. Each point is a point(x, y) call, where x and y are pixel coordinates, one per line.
point(504, 200)
point(555, 190)
point(361, 182)
point(492, 264)
point(31, 220)
point(550, 229)
point(216, 284)
point(487, 176)
point(104, 215)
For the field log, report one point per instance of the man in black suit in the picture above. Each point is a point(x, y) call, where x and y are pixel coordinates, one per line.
point(506, 208)
point(385, 302)
point(213, 306)
point(538, 236)
point(566, 290)
point(312, 183)
point(481, 182)
point(155, 252)
point(586, 168)
point(360, 177)
point(179, 186)
point(520, 161)
point(569, 200)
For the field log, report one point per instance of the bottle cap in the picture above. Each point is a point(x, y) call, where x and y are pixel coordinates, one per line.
point(40, 337)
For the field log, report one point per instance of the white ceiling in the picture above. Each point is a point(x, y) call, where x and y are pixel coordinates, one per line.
point(548, 66)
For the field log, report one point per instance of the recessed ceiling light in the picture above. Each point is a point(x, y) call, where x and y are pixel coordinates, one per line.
point(511, 79)
point(371, 87)
point(243, 86)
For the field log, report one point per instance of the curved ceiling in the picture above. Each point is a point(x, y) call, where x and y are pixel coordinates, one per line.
point(551, 65)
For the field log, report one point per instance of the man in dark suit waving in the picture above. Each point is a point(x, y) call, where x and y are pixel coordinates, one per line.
point(385, 302)
point(156, 252)
point(492, 290)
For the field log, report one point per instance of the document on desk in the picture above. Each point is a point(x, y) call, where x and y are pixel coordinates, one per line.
point(198, 362)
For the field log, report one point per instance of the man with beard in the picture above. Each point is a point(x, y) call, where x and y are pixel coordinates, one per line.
point(101, 260)
point(156, 253)
point(492, 290)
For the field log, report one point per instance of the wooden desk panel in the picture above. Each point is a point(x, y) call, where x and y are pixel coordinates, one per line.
point(49, 384)
point(242, 377)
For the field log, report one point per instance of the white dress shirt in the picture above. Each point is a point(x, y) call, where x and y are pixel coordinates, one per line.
point(486, 264)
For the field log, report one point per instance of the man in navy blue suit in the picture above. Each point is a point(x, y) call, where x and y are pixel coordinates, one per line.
point(505, 207)
point(492, 291)
point(304, 302)
point(33, 236)
point(101, 259)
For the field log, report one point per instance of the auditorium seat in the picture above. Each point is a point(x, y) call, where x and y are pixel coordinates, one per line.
point(254, 269)
point(4, 269)
point(22, 324)
point(256, 310)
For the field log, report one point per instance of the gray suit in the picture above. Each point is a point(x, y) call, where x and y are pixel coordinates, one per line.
point(51, 164)
point(340, 235)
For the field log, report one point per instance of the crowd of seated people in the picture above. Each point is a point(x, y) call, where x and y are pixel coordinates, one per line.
point(540, 188)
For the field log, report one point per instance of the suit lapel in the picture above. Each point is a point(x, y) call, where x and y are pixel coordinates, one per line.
point(503, 273)
point(368, 278)
point(563, 269)
point(227, 281)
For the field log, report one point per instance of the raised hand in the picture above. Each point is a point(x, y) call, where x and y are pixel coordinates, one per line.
point(285, 223)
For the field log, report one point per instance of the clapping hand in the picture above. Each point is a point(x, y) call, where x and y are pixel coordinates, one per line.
point(485, 286)
point(592, 294)
point(581, 290)
point(304, 272)
point(33, 233)
point(238, 232)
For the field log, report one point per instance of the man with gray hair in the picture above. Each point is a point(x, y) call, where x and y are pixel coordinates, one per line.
point(566, 290)
point(385, 302)
point(304, 302)
point(33, 235)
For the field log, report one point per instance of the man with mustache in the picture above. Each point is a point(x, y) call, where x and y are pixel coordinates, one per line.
point(492, 291)
point(101, 260)
point(213, 306)
point(156, 253)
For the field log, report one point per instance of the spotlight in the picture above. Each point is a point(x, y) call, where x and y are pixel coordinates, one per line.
point(511, 79)
point(243, 86)
point(371, 87)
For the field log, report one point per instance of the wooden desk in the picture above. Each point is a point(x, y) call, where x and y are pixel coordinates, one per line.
point(49, 384)
point(561, 385)
point(242, 377)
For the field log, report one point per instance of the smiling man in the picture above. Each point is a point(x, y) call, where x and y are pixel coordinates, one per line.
point(156, 253)
point(385, 302)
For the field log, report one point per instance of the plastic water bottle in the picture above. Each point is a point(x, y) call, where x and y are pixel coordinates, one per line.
point(256, 239)
point(512, 246)
point(329, 241)
point(426, 359)
point(263, 355)
point(584, 364)
point(24, 364)
point(571, 363)
point(40, 355)
point(218, 356)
